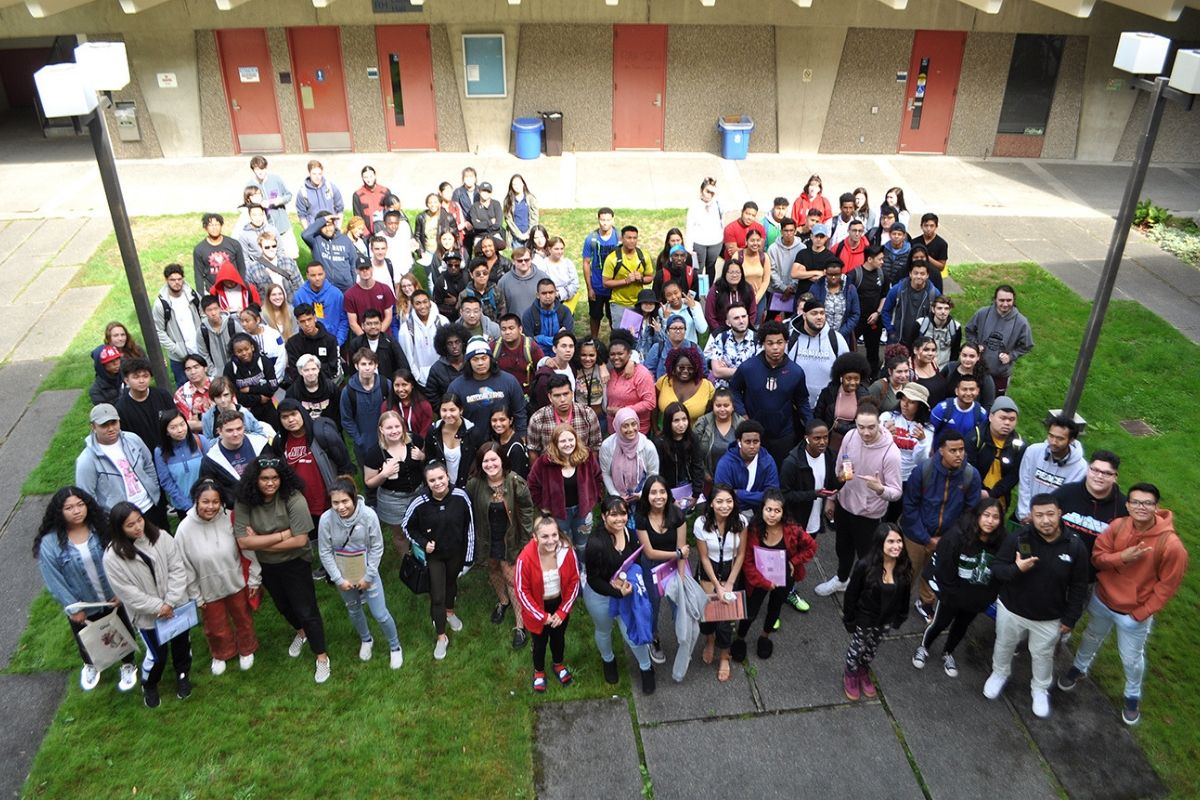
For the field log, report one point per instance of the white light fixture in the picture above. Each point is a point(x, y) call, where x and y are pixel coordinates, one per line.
point(1142, 53)
point(64, 91)
point(416, 2)
point(708, 3)
point(611, 2)
point(104, 65)
point(1185, 76)
point(514, 2)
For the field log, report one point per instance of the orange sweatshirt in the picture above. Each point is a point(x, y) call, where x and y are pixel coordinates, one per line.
point(1142, 587)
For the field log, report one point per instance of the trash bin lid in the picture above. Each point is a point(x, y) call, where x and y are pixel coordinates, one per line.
point(733, 123)
point(527, 124)
point(551, 114)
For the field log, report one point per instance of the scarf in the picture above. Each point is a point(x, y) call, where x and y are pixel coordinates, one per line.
point(626, 464)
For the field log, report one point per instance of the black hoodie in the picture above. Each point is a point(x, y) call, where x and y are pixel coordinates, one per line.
point(1087, 517)
point(323, 345)
point(1055, 587)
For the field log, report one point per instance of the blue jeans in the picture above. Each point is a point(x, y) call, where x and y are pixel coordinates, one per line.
point(353, 598)
point(597, 606)
point(177, 373)
point(577, 525)
point(1131, 643)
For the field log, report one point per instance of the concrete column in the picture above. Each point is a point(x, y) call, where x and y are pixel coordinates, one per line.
point(1107, 102)
point(174, 112)
point(488, 120)
point(806, 68)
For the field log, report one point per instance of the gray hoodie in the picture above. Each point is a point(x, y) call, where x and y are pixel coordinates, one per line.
point(1042, 472)
point(358, 533)
point(1000, 333)
point(212, 558)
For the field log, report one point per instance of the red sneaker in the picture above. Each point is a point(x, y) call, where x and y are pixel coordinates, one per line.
point(850, 683)
point(563, 674)
point(864, 683)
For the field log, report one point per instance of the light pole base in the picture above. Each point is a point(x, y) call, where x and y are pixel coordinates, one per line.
point(1056, 412)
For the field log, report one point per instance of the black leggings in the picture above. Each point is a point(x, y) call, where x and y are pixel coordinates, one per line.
point(290, 585)
point(443, 586)
point(854, 534)
point(774, 599)
point(871, 337)
point(706, 260)
point(948, 616)
point(554, 636)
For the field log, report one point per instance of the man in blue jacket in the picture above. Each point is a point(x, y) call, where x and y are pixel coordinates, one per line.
point(746, 468)
point(772, 389)
point(332, 249)
point(546, 316)
point(327, 301)
point(936, 494)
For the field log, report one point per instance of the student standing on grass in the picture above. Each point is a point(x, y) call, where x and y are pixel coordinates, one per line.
point(350, 537)
point(116, 466)
point(876, 598)
point(213, 563)
point(69, 547)
point(177, 460)
point(1140, 562)
point(394, 468)
point(546, 586)
point(146, 573)
point(272, 519)
point(440, 524)
point(177, 319)
point(141, 403)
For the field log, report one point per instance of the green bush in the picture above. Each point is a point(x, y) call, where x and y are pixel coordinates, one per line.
point(1147, 215)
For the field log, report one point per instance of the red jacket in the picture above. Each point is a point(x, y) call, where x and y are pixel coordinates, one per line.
point(530, 587)
point(417, 418)
point(546, 485)
point(801, 548)
point(803, 204)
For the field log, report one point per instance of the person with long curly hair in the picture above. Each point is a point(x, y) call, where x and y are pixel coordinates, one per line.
point(876, 598)
point(685, 383)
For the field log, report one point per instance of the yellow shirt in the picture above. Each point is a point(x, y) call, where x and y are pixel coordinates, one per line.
point(696, 405)
point(628, 265)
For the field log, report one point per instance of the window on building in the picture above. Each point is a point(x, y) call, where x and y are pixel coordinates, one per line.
point(1032, 76)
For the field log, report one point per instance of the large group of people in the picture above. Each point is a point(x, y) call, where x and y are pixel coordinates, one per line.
point(765, 384)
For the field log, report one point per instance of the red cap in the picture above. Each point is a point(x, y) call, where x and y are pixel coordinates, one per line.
point(109, 353)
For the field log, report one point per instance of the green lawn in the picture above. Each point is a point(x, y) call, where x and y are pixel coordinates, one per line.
point(464, 726)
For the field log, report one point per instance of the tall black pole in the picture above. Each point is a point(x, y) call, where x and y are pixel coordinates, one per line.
point(133, 266)
point(1116, 248)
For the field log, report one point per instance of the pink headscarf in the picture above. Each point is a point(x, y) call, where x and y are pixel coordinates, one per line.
point(627, 466)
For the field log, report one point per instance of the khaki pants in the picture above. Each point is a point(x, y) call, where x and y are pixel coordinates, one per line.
point(920, 554)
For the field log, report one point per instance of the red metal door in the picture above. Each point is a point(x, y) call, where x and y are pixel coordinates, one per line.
point(932, 87)
point(320, 82)
point(406, 81)
point(250, 89)
point(639, 86)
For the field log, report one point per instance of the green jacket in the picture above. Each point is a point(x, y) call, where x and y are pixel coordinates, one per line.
point(517, 503)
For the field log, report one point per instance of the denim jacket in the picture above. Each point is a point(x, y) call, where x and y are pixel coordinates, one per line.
point(65, 575)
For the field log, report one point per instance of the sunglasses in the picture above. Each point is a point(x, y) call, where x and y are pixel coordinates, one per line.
point(269, 463)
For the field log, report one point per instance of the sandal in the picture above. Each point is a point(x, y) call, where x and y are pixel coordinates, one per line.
point(539, 681)
point(563, 674)
point(710, 645)
point(723, 670)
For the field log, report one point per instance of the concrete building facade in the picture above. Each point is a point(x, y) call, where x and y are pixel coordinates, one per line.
point(962, 77)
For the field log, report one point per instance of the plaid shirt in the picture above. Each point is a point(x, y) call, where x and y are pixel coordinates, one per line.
point(723, 346)
point(544, 421)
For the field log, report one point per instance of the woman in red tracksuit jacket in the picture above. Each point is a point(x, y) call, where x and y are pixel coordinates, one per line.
point(772, 531)
point(547, 584)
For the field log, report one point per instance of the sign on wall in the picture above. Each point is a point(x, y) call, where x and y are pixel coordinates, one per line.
point(483, 65)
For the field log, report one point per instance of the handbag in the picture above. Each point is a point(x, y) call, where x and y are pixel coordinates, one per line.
point(414, 573)
point(107, 640)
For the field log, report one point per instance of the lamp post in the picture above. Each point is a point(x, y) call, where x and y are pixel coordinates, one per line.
point(69, 90)
point(1140, 54)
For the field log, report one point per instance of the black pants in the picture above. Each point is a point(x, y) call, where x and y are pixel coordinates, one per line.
point(854, 534)
point(779, 445)
point(774, 599)
point(948, 616)
point(706, 261)
point(290, 585)
point(157, 514)
point(871, 337)
point(556, 637)
point(155, 662)
point(76, 627)
point(443, 586)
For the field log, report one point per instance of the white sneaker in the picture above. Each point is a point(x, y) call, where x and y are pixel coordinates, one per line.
point(297, 645)
point(218, 667)
point(454, 622)
point(396, 658)
point(994, 686)
point(128, 677)
point(322, 671)
point(89, 676)
point(246, 662)
point(365, 649)
point(830, 586)
point(439, 649)
point(1041, 703)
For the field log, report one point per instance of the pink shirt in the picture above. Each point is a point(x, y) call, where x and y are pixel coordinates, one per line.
point(636, 392)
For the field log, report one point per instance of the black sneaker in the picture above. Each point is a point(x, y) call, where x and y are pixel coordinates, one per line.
point(1131, 714)
point(610, 671)
point(1068, 681)
point(648, 682)
point(519, 638)
point(498, 613)
point(737, 650)
point(183, 687)
point(150, 696)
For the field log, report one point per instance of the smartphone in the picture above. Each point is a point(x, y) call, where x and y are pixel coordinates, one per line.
point(1024, 549)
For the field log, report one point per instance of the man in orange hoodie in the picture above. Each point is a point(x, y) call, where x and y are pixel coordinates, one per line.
point(1140, 562)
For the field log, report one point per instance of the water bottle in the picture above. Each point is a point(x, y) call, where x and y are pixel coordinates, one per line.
point(704, 284)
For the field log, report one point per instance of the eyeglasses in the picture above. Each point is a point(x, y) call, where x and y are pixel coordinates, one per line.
point(1142, 503)
point(521, 260)
point(269, 463)
point(1105, 472)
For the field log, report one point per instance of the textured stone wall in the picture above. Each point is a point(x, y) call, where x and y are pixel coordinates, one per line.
point(452, 132)
point(367, 124)
point(1178, 133)
point(980, 94)
point(1062, 127)
point(871, 58)
point(568, 68)
point(216, 129)
point(713, 72)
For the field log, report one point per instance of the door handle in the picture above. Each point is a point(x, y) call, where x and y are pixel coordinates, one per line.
point(236, 107)
point(910, 104)
point(658, 100)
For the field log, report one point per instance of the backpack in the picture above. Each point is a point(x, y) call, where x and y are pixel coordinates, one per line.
point(977, 422)
point(529, 368)
point(830, 332)
point(927, 472)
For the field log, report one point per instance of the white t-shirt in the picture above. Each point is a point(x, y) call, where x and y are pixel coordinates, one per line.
point(550, 583)
point(453, 462)
point(181, 312)
point(817, 465)
point(89, 566)
point(712, 541)
point(134, 491)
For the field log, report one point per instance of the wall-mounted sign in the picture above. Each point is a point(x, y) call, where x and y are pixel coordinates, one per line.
point(248, 74)
point(901, 77)
point(167, 80)
point(373, 73)
point(483, 65)
point(395, 6)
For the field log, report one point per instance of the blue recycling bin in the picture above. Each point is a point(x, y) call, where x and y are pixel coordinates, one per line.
point(528, 134)
point(735, 137)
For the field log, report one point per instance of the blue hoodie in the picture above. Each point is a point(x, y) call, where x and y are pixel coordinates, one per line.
point(775, 396)
point(329, 304)
point(731, 469)
point(932, 507)
point(312, 201)
point(337, 254)
point(360, 412)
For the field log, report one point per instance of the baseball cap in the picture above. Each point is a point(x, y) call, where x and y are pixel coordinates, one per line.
point(109, 353)
point(102, 413)
point(820, 229)
point(485, 187)
point(898, 226)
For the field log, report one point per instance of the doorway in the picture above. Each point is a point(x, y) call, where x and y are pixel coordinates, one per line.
point(250, 89)
point(406, 82)
point(932, 87)
point(320, 82)
point(639, 86)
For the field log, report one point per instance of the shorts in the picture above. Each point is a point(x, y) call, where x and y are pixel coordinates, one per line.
point(599, 308)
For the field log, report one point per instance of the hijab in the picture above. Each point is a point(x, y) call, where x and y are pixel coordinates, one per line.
point(627, 467)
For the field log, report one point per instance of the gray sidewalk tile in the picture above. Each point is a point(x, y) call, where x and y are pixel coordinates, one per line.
point(13, 234)
point(806, 668)
point(18, 382)
point(47, 285)
point(21, 579)
point(841, 752)
point(68, 314)
point(28, 441)
point(79, 248)
point(18, 321)
point(29, 702)
point(581, 746)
